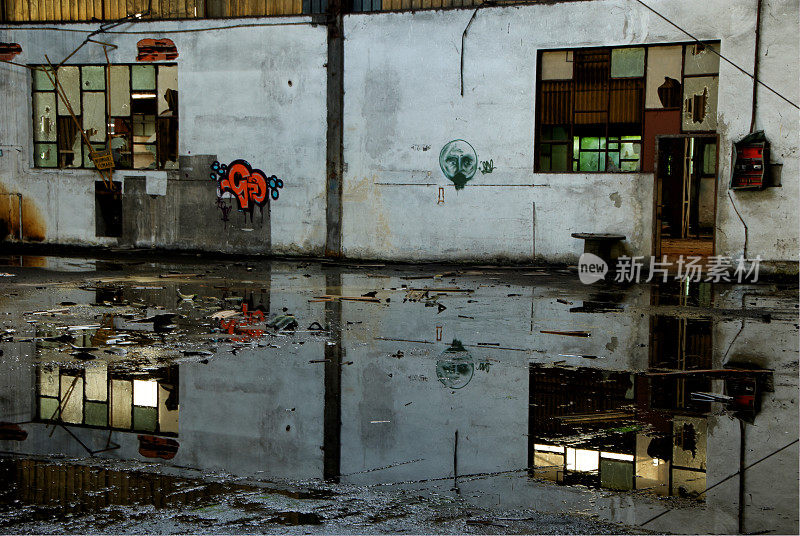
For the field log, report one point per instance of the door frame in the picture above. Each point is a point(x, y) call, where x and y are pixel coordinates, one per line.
point(656, 240)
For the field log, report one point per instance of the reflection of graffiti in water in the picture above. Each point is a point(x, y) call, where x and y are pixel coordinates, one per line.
point(250, 187)
point(244, 328)
point(455, 366)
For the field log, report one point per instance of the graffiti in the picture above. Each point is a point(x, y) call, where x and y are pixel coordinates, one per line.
point(225, 209)
point(251, 187)
point(459, 162)
point(243, 327)
point(487, 167)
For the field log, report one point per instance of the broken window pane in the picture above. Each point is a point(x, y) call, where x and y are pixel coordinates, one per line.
point(700, 103)
point(700, 59)
point(121, 403)
point(663, 64)
point(72, 399)
point(120, 90)
point(45, 155)
point(557, 65)
point(167, 80)
point(87, 160)
point(69, 143)
point(94, 116)
point(143, 77)
point(94, 77)
point(44, 117)
point(96, 413)
point(121, 142)
point(69, 78)
point(627, 62)
point(167, 409)
point(40, 80)
point(589, 161)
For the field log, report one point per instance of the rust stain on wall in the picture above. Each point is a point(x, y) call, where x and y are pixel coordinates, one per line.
point(33, 223)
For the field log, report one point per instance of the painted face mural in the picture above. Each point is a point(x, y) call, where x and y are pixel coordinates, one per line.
point(458, 162)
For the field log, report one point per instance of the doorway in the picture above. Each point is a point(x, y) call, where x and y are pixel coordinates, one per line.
point(685, 196)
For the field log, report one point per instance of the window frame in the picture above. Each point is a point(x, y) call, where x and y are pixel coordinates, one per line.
point(540, 141)
point(104, 145)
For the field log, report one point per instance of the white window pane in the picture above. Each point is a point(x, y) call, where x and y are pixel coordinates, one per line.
point(145, 393)
point(69, 78)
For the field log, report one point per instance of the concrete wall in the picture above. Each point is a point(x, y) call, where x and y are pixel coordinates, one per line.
point(264, 104)
point(402, 103)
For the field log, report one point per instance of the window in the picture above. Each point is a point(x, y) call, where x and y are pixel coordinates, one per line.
point(129, 110)
point(600, 109)
point(99, 396)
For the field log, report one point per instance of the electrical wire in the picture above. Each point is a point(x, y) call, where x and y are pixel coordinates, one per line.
point(718, 54)
point(160, 31)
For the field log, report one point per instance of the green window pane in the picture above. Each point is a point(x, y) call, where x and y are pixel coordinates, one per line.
point(560, 133)
point(590, 143)
point(96, 413)
point(627, 62)
point(631, 138)
point(544, 163)
point(709, 159)
point(630, 151)
point(601, 161)
point(613, 161)
point(630, 165)
point(69, 78)
point(145, 419)
point(576, 147)
point(44, 117)
point(143, 77)
point(47, 408)
point(613, 146)
point(616, 474)
point(46, 155)
point(94, 77)
point(40, 80)
point(589, 162)
point(559, 158)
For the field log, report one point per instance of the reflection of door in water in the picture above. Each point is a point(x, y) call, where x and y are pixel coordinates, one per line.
point(685, 195)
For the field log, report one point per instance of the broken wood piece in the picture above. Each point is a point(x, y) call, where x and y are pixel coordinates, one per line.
point(567, 333)
point(224, 314)
point(49, 312)
point(565, 302)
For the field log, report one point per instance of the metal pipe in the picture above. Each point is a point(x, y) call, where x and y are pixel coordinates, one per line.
point(755, 66)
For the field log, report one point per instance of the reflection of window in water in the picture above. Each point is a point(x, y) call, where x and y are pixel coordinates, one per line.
point(597, 428)
point(103, 398)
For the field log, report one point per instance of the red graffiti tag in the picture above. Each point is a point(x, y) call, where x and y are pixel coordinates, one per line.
point(248, 185)
point(243, 327)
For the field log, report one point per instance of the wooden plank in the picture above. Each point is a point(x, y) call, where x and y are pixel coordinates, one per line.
point(73, 10)
point(426, 4)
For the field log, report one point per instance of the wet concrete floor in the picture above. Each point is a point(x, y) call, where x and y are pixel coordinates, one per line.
point(209, 396)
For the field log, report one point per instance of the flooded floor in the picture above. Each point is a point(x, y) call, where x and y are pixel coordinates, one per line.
point(209, 396)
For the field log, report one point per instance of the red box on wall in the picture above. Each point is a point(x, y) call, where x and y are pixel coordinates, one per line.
point(750, 161)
